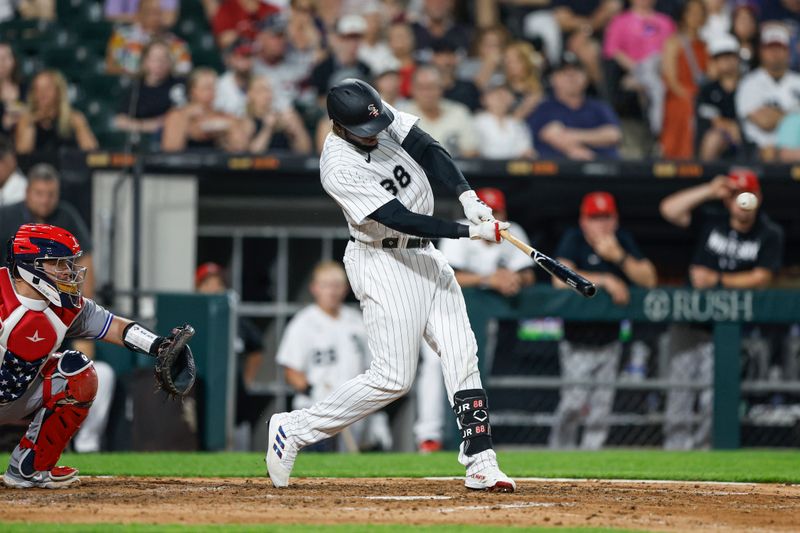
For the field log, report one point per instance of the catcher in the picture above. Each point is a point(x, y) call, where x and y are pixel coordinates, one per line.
point(40, 306)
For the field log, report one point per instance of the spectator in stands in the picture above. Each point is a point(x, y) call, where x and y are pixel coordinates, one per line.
point(582, 23)
point(37, 9)
point(401, 42)
point(522, 67)
point(285, 66)
point(735, 249)
point(11, 106)
point(633, 41)
point(374, 51)
point(124, 11)
point(500, 134)
point(438, 21)
point(684, 65)
point(323, 346)
point(570, 125)
point(239, 18)
point(387, 83)
point(718, 20)
point(232, 86)
point(144, 106)
point(124, 50)
point(769, 92)
point(209, 279)
point(303, 34)
point(718, 131)
point(50, 122)
point(12, 182)
point(788, 138)
point(608, 256)
point(448, 122)
point(42, 204)
point(445, 59)
point(270, 129)
point(196, 125)
point(744, 27)
point(484, 67)
point(343, 61)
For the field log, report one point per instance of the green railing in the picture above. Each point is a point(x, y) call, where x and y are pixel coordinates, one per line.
point(727, 310)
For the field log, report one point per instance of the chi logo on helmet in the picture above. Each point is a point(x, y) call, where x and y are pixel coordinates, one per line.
point(373, 111)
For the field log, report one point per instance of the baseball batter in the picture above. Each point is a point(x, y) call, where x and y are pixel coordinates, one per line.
point(375, 164)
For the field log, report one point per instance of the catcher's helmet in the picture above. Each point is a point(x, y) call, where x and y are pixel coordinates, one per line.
point(358, 108)
point(59, 282)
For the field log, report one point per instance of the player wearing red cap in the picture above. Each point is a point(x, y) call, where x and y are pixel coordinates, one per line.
point(736, 249)
point(608, 256)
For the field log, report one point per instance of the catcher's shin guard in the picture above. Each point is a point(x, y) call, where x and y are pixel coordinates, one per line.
point(471, 407)
point(68, 389)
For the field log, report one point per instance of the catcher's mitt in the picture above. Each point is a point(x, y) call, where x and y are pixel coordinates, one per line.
point(174, 369)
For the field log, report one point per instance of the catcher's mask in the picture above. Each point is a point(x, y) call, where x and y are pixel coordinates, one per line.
point(46, 257)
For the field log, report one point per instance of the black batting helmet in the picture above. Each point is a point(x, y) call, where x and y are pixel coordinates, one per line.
point(358, 108)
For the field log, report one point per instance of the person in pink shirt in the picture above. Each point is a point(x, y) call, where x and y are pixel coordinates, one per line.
point(636, 34)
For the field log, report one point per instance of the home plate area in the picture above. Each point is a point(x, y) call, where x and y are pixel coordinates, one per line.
point(651, 505)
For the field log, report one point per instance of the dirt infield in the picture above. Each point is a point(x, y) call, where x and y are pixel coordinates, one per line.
point(659, 506)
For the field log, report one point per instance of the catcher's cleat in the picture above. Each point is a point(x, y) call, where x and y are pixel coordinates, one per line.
point(60, 477)
point(281, 452)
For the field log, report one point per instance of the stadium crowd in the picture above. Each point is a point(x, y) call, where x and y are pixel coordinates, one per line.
point(498, 79)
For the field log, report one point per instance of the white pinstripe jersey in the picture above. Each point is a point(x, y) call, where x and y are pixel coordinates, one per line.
point(361, 182)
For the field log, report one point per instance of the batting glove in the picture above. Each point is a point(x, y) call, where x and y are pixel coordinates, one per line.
point(474, 209)
point(488, 231)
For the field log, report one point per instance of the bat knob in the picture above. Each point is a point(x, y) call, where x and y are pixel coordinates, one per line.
point(589, 291)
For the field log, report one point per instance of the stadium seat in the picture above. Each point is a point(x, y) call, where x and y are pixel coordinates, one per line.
point(73, 62)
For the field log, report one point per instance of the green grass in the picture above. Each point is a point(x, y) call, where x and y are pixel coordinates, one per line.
point(18, 527)
point(750, 465)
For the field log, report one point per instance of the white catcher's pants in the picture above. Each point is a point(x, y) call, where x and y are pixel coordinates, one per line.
point(406, 295)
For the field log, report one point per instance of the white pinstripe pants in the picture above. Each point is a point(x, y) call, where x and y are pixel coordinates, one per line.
point(406, 295)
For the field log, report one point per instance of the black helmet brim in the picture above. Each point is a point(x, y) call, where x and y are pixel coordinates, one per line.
point(374, 126)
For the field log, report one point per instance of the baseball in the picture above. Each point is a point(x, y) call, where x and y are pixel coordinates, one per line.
point(747, 201)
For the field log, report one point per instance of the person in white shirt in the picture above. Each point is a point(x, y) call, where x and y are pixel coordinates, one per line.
point(231, 96)
point(12, 183)
point(499, 267)
point(768, 93)
point(324, 345)
point(500, 134)
point(450, 123)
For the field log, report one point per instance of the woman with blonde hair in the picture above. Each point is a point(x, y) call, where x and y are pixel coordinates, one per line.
point(270, 129)
point(51, 122)
point(522, 67)
point(197, 125)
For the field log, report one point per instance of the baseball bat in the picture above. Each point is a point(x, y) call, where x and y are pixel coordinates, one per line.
point(583, 286)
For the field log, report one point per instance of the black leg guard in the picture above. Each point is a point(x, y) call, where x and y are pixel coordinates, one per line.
point(472, 413)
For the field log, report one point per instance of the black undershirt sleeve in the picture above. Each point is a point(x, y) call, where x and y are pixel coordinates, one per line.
point(395, 215)
point(434, 159)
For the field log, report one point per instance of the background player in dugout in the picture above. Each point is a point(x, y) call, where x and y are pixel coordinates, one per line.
point(477, 263)
point(209, 279)
point(735, 249)
point(608, 256)
point(375, 164)
point(324, 345)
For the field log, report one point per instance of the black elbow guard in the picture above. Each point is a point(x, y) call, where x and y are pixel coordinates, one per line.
point(434, 159)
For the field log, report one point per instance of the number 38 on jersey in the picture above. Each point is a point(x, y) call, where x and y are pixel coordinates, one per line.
point(401, 178)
